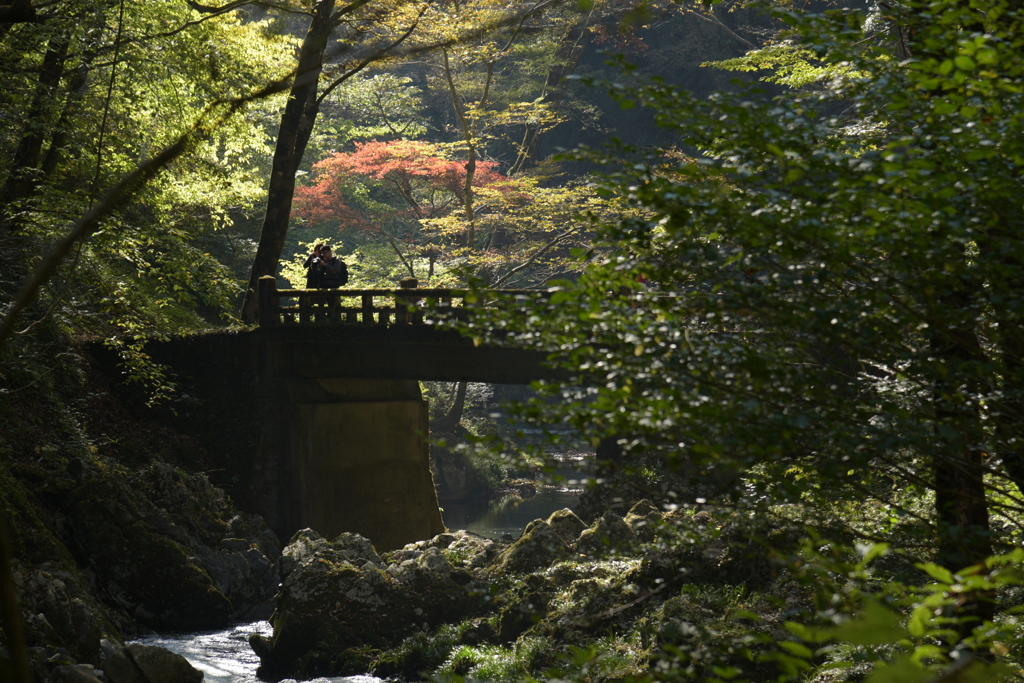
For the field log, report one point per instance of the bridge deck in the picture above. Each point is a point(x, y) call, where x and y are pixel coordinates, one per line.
point(420, 352)
point(386, 336)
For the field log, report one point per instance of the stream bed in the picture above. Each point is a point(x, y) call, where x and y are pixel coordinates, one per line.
point(225, 656)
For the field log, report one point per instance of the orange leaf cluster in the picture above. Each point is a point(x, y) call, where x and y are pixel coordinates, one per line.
point(414, 168)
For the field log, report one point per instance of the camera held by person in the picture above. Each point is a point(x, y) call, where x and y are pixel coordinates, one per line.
point(324, 270)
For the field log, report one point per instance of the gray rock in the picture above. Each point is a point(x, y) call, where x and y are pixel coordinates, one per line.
point(304, 544)
point(139, 663)
point(539, 546)
point(567, 525)
point(442, 540)
point(643, 519)
point(336, 596)
point(433, 560)
point(75, 673)
point(108, 648)
point(608, 533)
point(235, 545)
point(355, 549)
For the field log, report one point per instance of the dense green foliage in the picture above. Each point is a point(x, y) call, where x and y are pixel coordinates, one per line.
point(819, 311)
point(806, 307)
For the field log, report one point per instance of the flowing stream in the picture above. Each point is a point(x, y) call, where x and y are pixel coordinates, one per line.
point(225, 656)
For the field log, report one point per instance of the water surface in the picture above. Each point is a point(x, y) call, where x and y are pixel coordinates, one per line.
point(225, 656)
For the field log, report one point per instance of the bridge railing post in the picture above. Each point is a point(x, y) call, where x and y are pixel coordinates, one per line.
point(402, 303)
point(266, 295)
point(367, 309)
point(334, 314)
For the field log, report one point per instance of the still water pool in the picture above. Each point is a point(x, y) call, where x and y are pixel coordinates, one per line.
point(557, 488)
point(507, 515)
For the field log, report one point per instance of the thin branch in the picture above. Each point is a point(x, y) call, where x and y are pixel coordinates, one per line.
point(106, 104)
point(536, 255)
point(347, 9)
point(538, 7)
point(401, 257)
point(372, 58)
point(715, 21)
point(209, 9)
point(211, 13)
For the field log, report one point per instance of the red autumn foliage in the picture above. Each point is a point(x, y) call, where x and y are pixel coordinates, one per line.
point(428, 184)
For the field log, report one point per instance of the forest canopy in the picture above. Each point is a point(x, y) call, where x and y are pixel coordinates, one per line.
point(817, 309)
point(803, 290)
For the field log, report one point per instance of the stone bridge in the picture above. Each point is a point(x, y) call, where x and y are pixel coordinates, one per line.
point(344, 435)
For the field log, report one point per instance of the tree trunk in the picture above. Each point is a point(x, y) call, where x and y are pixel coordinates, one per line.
point(451, 420)
point(21, 182)
point(469, 136)
point(76, 92)
point(957, 462)
point(296, 126)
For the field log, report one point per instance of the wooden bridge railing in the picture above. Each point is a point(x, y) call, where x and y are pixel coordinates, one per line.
point(402, 305)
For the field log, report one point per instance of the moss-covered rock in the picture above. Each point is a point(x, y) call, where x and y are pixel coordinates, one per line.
point(338, 601)
point(567, 525)
point(165, 565)
point(151, 575)
point(643, 520)
point(539, 546)
point(608, 533)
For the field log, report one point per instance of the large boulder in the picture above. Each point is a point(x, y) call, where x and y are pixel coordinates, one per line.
point(169, 551)
point(609, 533)
point(60, 611)
point(539, 546)
point(566, 524)
point(152, 575)
point(138, 663)
point(338, 598)
point(73, 673)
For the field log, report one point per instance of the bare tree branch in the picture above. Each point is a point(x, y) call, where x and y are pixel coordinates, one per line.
point(369, 60)
point(536, 255)
point(715, 21)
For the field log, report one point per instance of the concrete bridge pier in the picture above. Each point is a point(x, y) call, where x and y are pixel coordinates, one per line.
point(356, 459)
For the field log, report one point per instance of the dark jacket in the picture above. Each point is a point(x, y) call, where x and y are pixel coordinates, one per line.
point(326, 273)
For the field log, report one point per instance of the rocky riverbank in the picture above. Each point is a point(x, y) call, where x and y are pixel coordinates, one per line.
point(115, 526)
point(121, 549)
point(492, 610)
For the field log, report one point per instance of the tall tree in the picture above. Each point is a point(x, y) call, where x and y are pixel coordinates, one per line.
point(292, 136)
point(847, 309)
point(362, 46)
point(415, 184)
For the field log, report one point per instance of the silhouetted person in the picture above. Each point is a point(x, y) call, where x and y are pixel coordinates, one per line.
point(313, 274)
point(326, 271)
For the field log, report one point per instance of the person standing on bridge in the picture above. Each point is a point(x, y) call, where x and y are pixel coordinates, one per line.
point(313, 274)
point(326, 271)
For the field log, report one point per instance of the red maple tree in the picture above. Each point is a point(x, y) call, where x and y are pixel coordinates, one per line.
point(427, 184)
point(409, 180)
